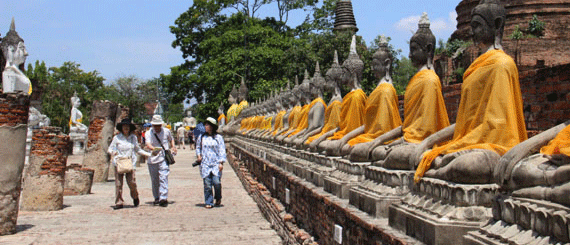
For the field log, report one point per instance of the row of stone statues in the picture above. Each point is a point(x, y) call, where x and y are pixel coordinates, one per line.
point(487, 144)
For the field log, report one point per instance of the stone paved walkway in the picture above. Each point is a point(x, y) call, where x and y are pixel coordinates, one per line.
point(90, 219)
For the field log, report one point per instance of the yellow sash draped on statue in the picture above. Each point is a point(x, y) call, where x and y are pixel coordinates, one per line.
point(559, 145)
point(352, 113)
point(220, 118)
point(424, 107)
point(304, 122)
point(267, 123)
point(381, 114)
point(490, 114)
point(293, 121)
point(242, 105)
point(278, 122)
point(332, 120)
point(231, 112)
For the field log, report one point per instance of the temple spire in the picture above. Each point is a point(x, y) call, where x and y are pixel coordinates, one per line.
point(344, 17)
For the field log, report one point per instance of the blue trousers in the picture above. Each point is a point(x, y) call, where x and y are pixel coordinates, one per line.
point(209, 181)
point(159, 180)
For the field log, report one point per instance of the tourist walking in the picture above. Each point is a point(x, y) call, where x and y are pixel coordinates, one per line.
point(181, 132)
point(124, 149)
point(211, 153)
point(157, 138)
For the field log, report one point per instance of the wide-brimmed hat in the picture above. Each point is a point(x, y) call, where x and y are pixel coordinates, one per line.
point(212, 122)
point(156, 120)
point(126, 121)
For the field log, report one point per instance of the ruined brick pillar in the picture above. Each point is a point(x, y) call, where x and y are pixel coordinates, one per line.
point(101, 129)
point(13, 127)
point(78, 180)
point(45, 175)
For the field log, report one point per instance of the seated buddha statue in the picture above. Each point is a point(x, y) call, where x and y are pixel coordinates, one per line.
point(424, 109)
point(311, 109)
point(75, 125)
point(544, 175)
point(332, 113)
point(316, 115)
point(222, 117)
point(490, 118)
point(231, 113)
point(381, 108)
point(277, 119)
point(289, 101)
point(352, 108)
point(294, 116)
point(14, 51)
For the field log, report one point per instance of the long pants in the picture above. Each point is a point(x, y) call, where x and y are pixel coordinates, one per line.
point(208, 182)
point(131, 182)
point(159, 180)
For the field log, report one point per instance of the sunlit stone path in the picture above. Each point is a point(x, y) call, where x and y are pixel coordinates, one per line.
point(90, 219)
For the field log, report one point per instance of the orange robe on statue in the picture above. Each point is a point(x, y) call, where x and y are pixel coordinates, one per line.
point(351, 114)
point(424, 107)
point(559, 145)
point(304, 122)
point(278, 122)
point(381, 114)
point(490, 114)
point(293, 119)
point(332, 120)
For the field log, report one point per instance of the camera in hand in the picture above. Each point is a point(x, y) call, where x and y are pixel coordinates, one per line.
point(197, 163)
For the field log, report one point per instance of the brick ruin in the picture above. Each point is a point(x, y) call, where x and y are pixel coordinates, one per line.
point(44, 177)
point(13, 127)
point(101, 130)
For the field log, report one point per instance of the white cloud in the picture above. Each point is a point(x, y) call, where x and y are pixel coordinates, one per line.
point(439, 25)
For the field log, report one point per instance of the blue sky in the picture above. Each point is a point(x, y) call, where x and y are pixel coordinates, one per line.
point(128, 37)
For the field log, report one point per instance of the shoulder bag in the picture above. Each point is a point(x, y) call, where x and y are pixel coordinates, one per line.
point(167, 154)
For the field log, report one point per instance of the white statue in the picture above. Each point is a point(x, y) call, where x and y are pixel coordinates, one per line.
point(14, 50)
point(75, 124)
point(36, 118)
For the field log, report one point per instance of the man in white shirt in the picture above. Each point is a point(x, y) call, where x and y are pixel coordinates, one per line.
point(157, 166)
point(181, 132)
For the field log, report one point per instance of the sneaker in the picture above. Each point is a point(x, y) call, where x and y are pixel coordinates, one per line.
point(163, 203)
point(218, 202)
point(156, 202)
point(208, 206)
point(136, 202)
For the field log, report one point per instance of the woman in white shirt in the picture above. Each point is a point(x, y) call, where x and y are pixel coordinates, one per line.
point(125, 146)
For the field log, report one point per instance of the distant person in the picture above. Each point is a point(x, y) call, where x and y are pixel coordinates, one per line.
point(191, 139)
point(211, 153)
point(181, 132)
point(157, 167)
point(125, 146)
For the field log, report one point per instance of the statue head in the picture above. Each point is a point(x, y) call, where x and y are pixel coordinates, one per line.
point(75, 101)
point(318, 82)
point(488, 23)
point(422, 44)
point(333, 75)
point(305, 87)
point(242, 91)
point(352, 66)
point(13, 47)
point(232, 98)
point(382, 59)
point(221, 108)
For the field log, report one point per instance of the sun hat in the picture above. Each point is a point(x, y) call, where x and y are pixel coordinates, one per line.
point(126, 121)
point(156, 120)
point(213, 123)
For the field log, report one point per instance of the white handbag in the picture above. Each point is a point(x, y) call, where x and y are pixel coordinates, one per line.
point(124, 165)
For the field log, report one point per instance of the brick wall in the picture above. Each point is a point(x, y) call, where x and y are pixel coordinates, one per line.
point(14, 109)
point(52, 144)
point(317, 211)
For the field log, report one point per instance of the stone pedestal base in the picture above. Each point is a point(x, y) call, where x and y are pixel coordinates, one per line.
point(78, 180)
point(78, 147)
point(347, 175)
point(440, 212)
point(524, 221)
point(380, 188)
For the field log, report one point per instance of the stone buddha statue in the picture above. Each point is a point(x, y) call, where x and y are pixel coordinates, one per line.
point(222, 116)
point(352, 108)
point(381, 108)
point(301, 103)
point(490, 118)
point(332, 112)
point(37, 119)
point(277, 116)
point(280, 118)
point(317, 104)
point(75, 125)
point(294, 97)
point(14, 51)
point(317, 108)
point(424, 110)
point(242, 97)
point(542, 175)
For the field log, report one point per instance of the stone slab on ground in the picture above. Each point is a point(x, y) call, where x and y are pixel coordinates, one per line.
point(90, 219)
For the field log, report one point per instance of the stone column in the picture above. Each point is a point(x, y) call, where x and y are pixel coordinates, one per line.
point(45, 175)
point(101, 130)
point(13, 127)
point(78, 180)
